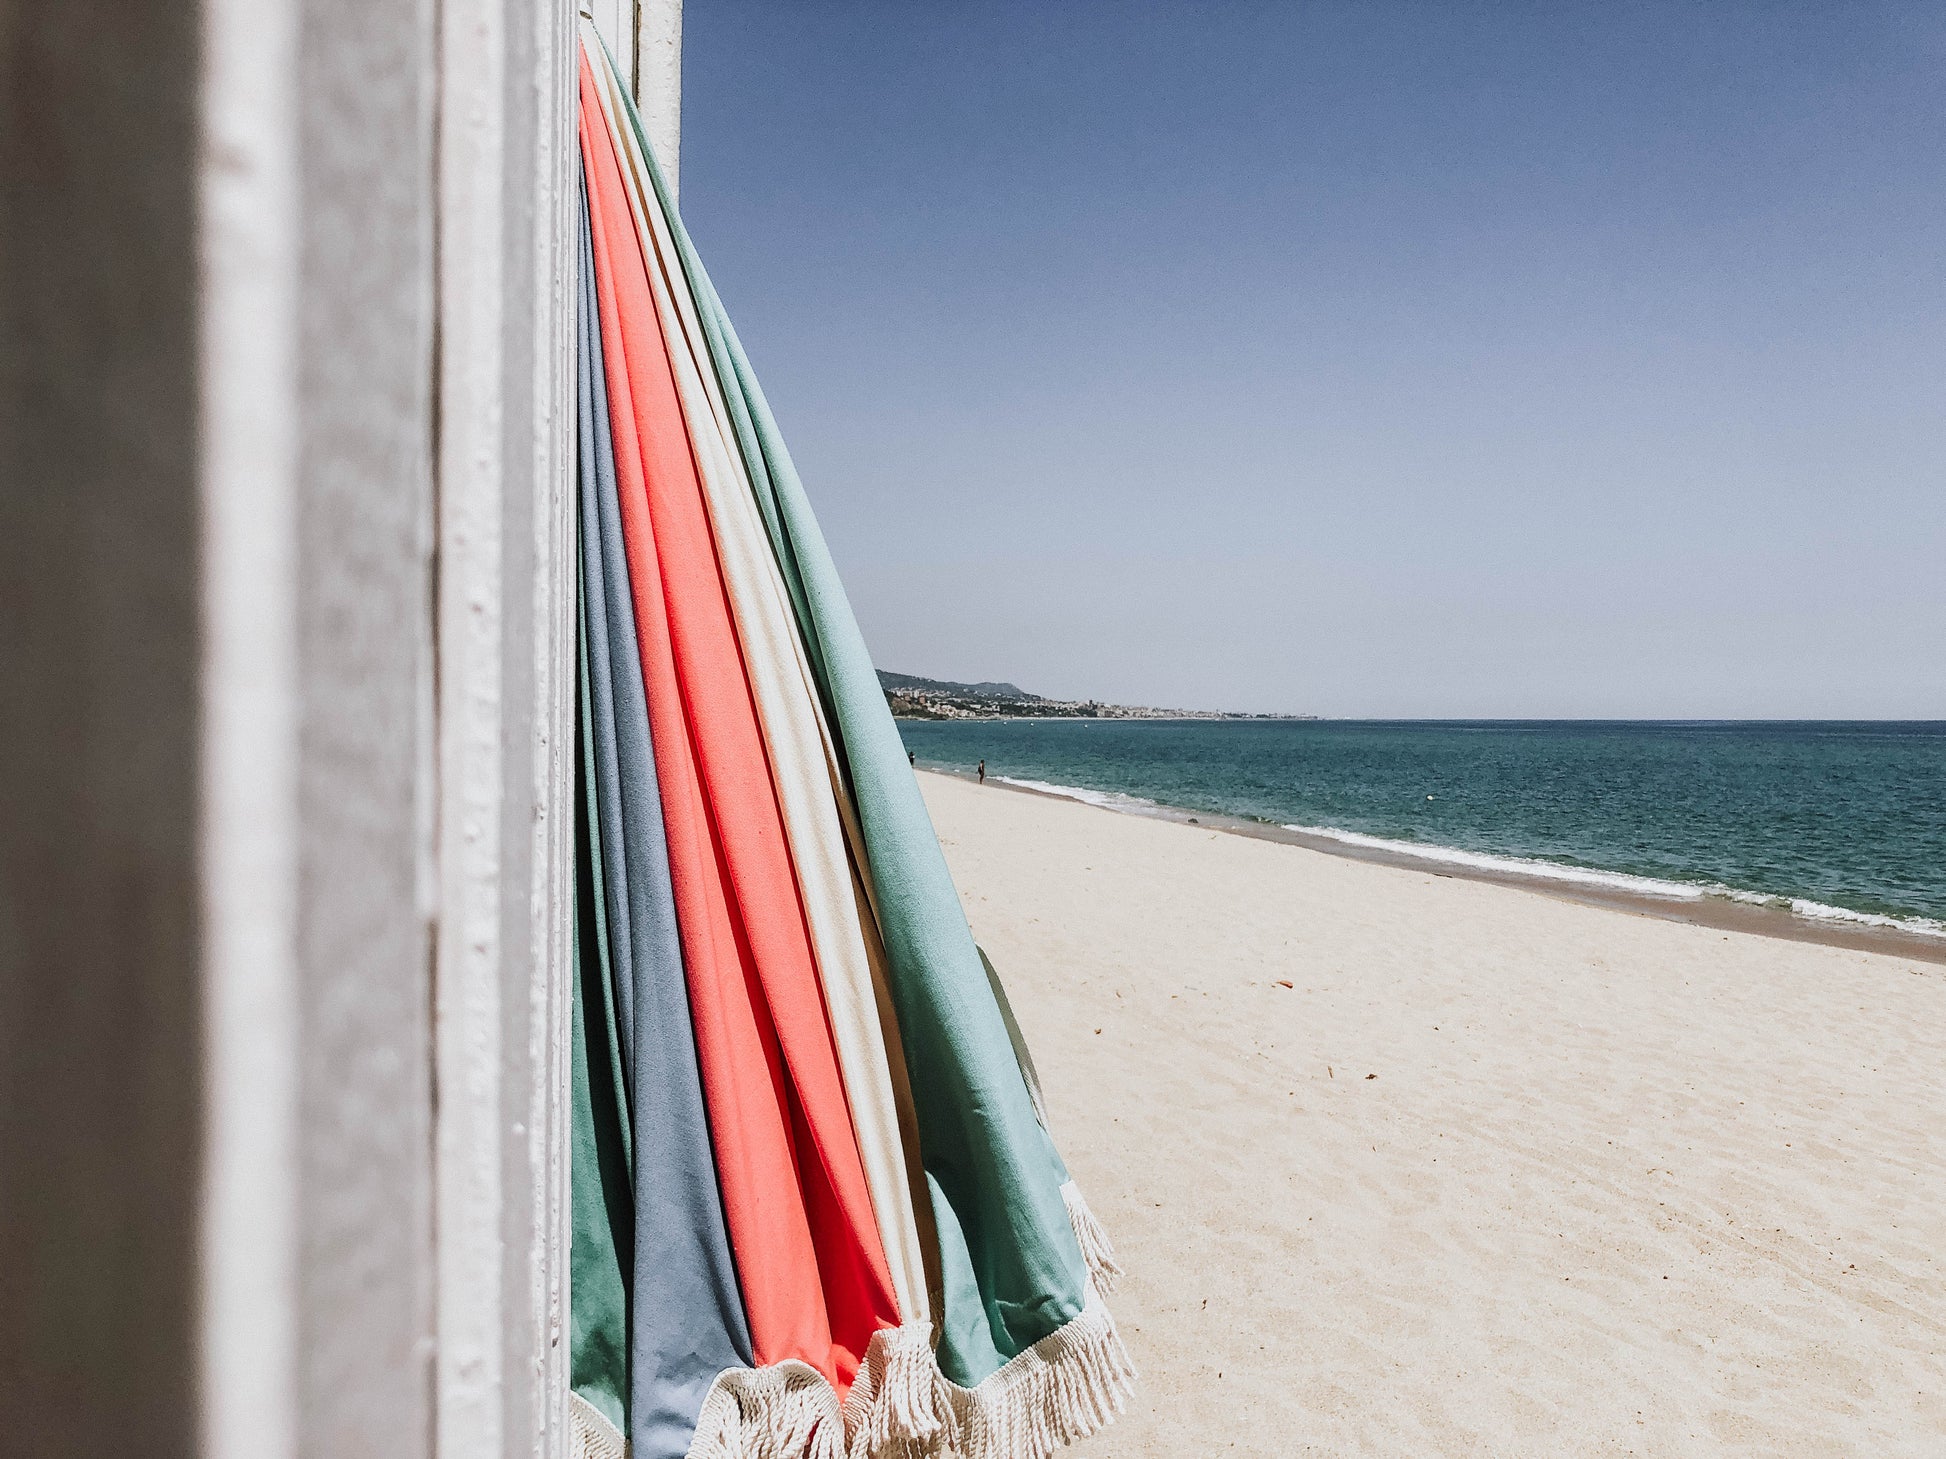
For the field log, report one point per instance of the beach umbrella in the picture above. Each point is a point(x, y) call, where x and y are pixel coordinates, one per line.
point(686, 1322)
point(915, 1269)
point(811, 1265)
point(804, 771)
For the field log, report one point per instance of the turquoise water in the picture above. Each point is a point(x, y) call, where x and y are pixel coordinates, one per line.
point(1839, 820)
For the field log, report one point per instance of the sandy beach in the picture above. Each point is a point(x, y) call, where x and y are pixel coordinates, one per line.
point(1402, 1164)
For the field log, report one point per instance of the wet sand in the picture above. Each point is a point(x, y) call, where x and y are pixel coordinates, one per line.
point(1496, 1174)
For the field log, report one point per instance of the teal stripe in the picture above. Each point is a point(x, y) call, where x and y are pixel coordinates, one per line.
point(601, 1219)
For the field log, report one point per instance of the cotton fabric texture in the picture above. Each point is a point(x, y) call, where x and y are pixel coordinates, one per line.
point(601, 1208)
point(976, 1115)
point(800, 1218)
point(687, 1319)
point(802, 755)
point(916, 1271)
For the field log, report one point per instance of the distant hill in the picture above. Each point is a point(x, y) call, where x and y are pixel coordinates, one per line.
point(913, 684)
point(912, 697)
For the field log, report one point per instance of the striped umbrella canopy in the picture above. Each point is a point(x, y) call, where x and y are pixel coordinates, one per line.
point(816, 1207)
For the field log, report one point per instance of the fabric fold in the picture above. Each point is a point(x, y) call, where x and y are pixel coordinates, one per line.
point(600, 1197)
point(802, 757)
point(796, 1203)
point(687, 1320)
point(1020, 1321)
point(813, 1187)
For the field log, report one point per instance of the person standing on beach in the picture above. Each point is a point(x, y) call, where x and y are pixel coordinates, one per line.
point(983, 772)
point(912, 758)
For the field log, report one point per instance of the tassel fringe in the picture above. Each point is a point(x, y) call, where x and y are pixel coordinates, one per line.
point(900, 1405)
point(784, 1411)
point(590, 1434)
point(1067, 1386)
point(1096, 1249)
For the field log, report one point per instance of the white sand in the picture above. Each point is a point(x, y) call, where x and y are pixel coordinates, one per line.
point(1621, 1186)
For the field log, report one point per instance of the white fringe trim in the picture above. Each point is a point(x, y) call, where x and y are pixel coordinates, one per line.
point(590, 1434)
point(1096, 1249)
point(1067, 1386)
point(785, 1411)
point(900, 1405)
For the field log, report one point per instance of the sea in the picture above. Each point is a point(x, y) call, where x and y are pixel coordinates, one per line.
point(1838, 822)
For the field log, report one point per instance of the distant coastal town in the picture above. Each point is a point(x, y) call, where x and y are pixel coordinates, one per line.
point(912, 697)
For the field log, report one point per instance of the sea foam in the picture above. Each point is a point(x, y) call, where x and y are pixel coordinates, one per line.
point(1108, 800)
point(1621, 881)
point(1523, 866)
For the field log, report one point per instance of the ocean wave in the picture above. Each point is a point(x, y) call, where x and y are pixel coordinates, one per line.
point(1923, 926)
point(1621, 881)
point(1108, 800)
point(1646, 886)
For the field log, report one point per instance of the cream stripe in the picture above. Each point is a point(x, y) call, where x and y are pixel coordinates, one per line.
point(802, 761)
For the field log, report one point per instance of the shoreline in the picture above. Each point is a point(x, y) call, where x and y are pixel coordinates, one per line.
point(1716, 913)
point(1173, 717)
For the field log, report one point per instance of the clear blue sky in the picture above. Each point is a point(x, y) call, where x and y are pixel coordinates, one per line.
point(1375, 358)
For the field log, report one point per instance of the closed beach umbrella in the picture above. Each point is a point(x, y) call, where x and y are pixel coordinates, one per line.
point(800, 1219)
point(687, 1322)
point(804, 769)
point(880, 1250)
